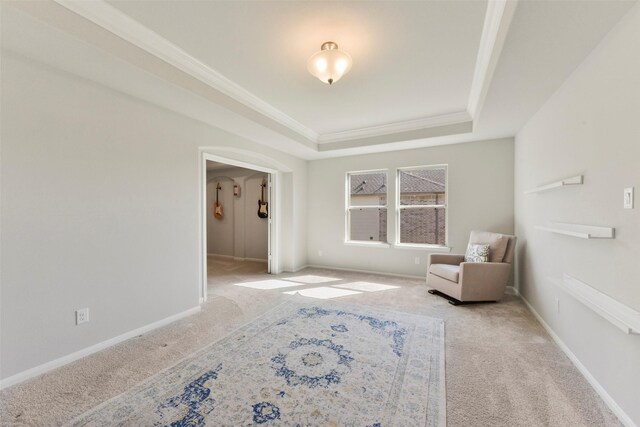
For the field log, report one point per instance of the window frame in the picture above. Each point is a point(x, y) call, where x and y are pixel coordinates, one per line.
point(349, 207)
point(399, 207)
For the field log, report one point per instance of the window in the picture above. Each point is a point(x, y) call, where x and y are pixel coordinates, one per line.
point(422, 205)
point(366, 206)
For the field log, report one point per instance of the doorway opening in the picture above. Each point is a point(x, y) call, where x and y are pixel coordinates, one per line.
point(237, 220)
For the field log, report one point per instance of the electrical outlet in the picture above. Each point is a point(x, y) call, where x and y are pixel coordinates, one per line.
point(82, 316)
point(319, 253)
point(417, 260)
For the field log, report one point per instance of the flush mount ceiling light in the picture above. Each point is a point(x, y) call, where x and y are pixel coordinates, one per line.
point(330, 63)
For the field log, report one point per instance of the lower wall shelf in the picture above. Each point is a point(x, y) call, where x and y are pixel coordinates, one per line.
point(622, 316)
point(578, 230)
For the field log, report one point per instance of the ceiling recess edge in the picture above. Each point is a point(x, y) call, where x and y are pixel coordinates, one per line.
point(495, 27)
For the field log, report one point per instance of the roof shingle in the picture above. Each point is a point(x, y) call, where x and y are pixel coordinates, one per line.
point(412, 182)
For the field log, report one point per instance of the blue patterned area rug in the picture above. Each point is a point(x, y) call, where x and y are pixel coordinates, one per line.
point(300, 364)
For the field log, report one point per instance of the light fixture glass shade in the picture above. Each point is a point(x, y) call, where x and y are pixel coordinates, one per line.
point(330, 63)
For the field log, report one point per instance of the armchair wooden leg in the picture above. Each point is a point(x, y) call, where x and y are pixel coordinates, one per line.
point(451, 300)
point(454, 301)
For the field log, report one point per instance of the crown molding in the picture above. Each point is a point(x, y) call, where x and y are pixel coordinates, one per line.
point(396, 127)
point(423, 133)
point(496, 24)
point(113, 20)
point(494, 33)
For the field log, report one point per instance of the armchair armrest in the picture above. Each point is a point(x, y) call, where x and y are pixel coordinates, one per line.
point(444, 259)
point(483, 280)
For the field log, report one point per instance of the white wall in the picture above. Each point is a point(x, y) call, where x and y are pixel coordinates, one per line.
point(221, 231)
point(480, 197)
point(100, 208)
point(255, 228)
point(240, 233)
point(591, 127)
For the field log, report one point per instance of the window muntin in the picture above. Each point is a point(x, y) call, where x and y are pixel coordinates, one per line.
point(422, 204)
point(366, 213)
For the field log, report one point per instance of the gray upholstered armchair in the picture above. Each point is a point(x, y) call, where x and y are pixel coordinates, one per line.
point(462, 281)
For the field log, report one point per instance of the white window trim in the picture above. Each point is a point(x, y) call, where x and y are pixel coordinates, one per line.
point(366, 244)
point(427, 246)
point(423, 247)
point(348, 208)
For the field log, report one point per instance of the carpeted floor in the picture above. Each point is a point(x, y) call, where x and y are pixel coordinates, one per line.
point(302, 363)
point(502, 369)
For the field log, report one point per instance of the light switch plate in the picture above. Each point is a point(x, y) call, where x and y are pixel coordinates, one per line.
point(628, 198)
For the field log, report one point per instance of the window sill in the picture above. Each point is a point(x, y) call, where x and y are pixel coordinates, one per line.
point(416, 246)
point(367, 244)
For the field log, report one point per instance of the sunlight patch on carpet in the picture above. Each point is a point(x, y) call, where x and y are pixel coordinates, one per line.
point(323, 292)
point(268, 284)
point(366, 286)
point(312, 279)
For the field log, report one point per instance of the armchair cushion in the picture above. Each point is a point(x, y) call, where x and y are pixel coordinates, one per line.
point(446, 271)
point(497, 243)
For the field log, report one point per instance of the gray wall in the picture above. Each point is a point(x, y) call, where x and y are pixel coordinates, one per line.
point(221, 232)
point(240, 233)
point(255, 228)
point(480, 197)
point(591, 127)
point(100, 208)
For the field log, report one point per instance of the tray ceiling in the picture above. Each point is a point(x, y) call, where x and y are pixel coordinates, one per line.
point(425, 73)
point(411, 60)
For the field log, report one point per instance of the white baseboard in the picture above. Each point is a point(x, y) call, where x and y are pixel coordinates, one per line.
point(64, 360)
point(250, 259)
point(237, 258)
point(220, 256)
point(381, 273)
point(296, 269)
point(615, 408)
point(512, 290)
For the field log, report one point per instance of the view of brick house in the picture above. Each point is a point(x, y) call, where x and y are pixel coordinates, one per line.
point(424, 187)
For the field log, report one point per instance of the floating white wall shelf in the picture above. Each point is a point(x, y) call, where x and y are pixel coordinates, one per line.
point(574, 180)
point(578, 230)
point(622, 316)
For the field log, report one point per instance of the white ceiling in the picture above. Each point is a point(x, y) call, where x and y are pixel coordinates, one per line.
point(430, 72)
point(410, 59)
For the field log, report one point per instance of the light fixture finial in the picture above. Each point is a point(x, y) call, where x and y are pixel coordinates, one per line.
point(329, 46)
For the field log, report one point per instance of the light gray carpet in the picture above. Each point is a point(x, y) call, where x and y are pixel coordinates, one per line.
point(502, 369)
